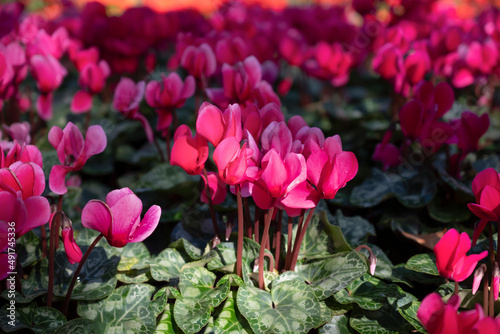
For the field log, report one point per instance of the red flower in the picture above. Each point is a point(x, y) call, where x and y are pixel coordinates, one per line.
point(189, 152)
point(486, 188)
point(451, 259)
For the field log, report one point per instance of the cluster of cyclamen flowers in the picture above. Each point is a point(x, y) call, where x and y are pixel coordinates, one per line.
point(283, 166)
point(453, 263)
point(421, 123)
point(22, 182)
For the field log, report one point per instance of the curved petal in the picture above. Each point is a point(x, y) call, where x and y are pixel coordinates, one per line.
point(73, 252)
point(97, 215)
point(482, 212)
point(38, 213)
point(489, 176)
point(82, 102)
point(466, 265)
point(147, 225)
point(114, 196)
point(126, 214)
point(57, 179)
point(95, 140)
point(445, 250)
point(210, 123)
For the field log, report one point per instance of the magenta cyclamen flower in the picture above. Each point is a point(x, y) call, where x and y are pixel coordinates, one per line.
point(119, 218)
point(73, 151)
point(451, 259)
point(128, 96)
point(167, 95)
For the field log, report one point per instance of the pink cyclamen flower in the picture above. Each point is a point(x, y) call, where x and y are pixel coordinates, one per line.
point(451, 259)
point(92, 79)
point(331, 168)
point(188, 152)
point(215, 125)
point(128, 96)
point(19, 131)
point(73, 151)
point(486, 188)
point(27, 213)
point(167, 95)
point(469, 129)
point(119, 218)
point(26, 178)
point(217, 189)
point(440, 318)
point(49, 74)
point(24, 153)
point(73, 252)
point(199, 61)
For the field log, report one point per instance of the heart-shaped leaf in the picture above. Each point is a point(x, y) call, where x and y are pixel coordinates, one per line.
point(423, 263)
point(290, 307)
point(167, 265)
point(198, 298)
point(38, 319)
point(332, 274)
point(127, 307)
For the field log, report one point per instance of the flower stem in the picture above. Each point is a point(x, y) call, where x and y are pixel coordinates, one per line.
point(277, 245)
point(485, 295)
point(289, 245)
point(246, 213)
point(455, 292)
point(241, 231)
point(289, 254)
point(77, 272)
point(211, 205)
point(298, 240)
point(155, 140)
point(54, 241)
point(257, 214)
point(265, 238)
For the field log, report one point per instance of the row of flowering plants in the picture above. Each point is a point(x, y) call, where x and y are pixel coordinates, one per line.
point(314, 169)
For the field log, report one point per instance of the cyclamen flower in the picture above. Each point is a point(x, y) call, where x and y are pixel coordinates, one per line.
point(128, 96)
point(49, 74)
point(331, 168)
point(119, 218)
point(73, 151)
point(26, 178)
point(24, 153)
point(27, 213)
point(189, 152)
point(486, 188)
point(92, 79)
point(167, 95)
point(199, 61)
point(451, 259)
point(440, 318)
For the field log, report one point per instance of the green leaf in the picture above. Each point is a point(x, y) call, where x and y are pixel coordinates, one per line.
point(134, 255)
point(330, 275)
point(97, 278)
point(183, 245)
point(198, 298)
point(29, 249)
point(290, 307)
point(38, 319)
point(423, 263)
point(167, 324)
point(126, 310)
point(230, 320)
point(356, 230)
point(385, 320)
point(167, 265)
point(163, 177)
point(134, 276)
point(339, 325)
point(374, 190)
point(415, 189)
point(446, 210)
point(225, 257)
point(409, 312)
point(161, 297)
point(78, 326)
point(368, 292)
